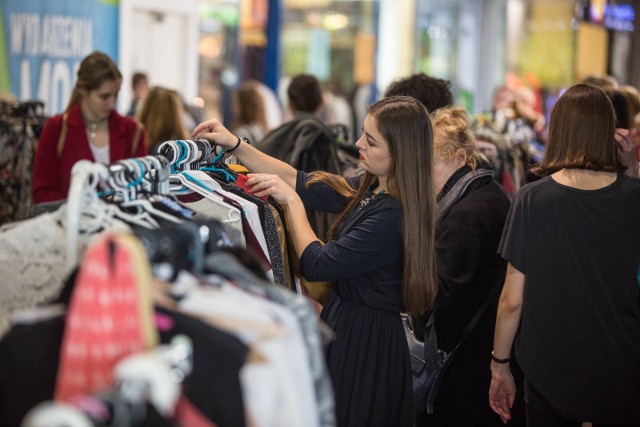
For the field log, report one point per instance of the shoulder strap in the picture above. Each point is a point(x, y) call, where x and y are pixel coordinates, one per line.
point(136, 138)
point(450, 199)
point(458, 190)
point(483, 309)
point(63, 135)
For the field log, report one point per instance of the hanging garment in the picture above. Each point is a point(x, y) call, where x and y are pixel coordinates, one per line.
point(33, 261)
point(227, 265)
point(109, 317)
point(18, 142)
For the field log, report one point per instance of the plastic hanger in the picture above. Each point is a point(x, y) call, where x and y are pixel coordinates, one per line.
point(185, 157)
point(83, 201)
point(159, 172)
point(121, 174)
point(216, 166)
point(187, 181)
point(138, 170)
point(146, 183)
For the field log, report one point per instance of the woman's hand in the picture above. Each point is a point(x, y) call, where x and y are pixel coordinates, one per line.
point(626, 145)
point(215, 132)
point(502, 392)
point(261, 185)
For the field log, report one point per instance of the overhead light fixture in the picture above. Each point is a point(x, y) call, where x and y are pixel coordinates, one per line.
point(335, 21)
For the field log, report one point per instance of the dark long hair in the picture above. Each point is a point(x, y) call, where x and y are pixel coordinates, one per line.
point(95, 69)
point(405, 125)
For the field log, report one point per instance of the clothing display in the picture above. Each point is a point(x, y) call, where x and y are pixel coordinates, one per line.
point(578, 341)
point(34, 256)
point(257, 357)
point(20, 126)
point(369, 349)
point(52, 169)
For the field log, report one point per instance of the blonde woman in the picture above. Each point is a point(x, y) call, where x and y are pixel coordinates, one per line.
point(469, 269)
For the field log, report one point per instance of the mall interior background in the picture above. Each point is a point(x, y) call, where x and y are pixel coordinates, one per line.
point(205, 48)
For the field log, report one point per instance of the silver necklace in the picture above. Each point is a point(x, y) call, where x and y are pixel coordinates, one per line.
point(364, 202)
point(92, 127)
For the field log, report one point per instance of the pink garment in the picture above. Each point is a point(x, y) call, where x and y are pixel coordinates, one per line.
point(107, 317)
point(241, 181)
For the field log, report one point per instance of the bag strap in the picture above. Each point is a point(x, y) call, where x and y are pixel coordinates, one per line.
point(472, 324)
point(458, 190)
point(431, 340)
point(63, 135)
point(450, 199)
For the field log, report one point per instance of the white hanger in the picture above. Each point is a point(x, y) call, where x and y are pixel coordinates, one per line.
point(83, 200)
point(184, 155)
point(233, 213)
point(122, 184)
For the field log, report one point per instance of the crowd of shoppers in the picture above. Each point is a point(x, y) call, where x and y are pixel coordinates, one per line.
point(560, 344)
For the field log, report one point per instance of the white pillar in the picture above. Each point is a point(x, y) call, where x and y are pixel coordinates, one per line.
point(396, 41)
point(160, 38)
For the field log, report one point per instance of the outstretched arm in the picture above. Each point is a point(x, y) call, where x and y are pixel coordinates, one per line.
point(252, 158)
point(502, 391)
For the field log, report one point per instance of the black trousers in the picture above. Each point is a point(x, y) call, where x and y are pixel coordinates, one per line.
point(540, 413)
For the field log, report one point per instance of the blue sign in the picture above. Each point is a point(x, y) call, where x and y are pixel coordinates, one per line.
point(44, 42)
point(620, 17)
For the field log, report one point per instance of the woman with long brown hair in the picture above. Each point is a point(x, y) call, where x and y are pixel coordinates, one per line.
point(90, 129)
point(250, 119)
point(380, 255)
point(162, 117)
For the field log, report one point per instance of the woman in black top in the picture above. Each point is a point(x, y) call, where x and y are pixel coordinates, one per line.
point(380, 255)
point(469, 270)
point(571, 290)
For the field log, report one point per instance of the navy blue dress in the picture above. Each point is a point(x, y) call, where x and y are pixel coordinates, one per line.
point(369, 359)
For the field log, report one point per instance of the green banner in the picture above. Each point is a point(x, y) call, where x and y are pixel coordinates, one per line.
point(5, 83)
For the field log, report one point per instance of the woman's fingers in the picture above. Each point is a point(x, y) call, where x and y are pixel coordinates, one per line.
point(205, 127)
point(269, 185)
point(260, 184)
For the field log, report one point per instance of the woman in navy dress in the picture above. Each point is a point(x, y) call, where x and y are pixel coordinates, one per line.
point(379, 255)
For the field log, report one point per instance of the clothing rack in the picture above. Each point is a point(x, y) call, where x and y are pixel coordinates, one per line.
point(214, 291)
point(20, 127)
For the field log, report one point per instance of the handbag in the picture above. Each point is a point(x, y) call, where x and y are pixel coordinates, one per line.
point(428, 362)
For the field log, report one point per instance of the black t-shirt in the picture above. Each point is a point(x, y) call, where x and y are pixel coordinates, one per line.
point(579, 337)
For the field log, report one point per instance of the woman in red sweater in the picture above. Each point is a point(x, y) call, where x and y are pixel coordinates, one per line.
point(90, 129)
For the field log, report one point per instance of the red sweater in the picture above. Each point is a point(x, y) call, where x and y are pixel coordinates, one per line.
point(52, 173)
